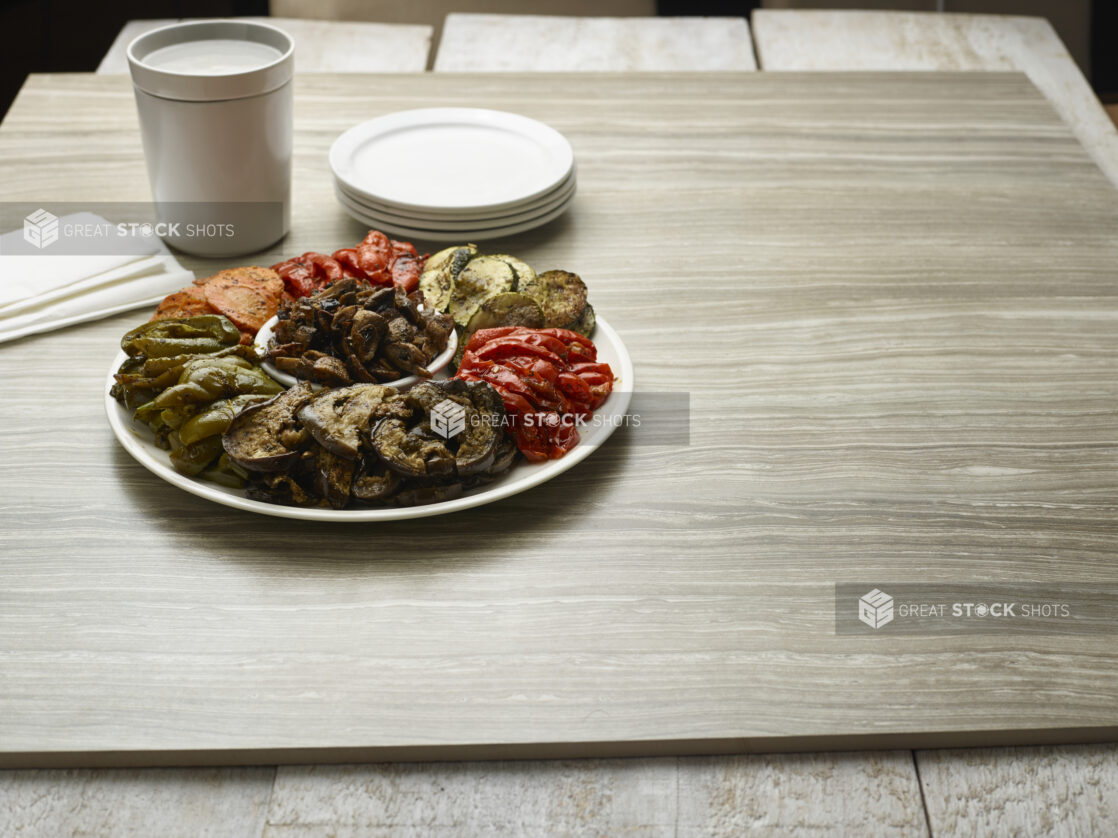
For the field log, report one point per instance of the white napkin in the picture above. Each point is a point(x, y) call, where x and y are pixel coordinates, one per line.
point(44, 291)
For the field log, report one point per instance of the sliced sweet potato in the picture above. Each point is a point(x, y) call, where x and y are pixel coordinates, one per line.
point(266, 276)
point(188, 302)
point(247, 301)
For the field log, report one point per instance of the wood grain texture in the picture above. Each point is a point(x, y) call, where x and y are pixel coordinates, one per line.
point(1069, 791)
point(561, 797)
point(866, 40)
point(210, 802)
point(803, 795)
point(475, 43)
point(891, 298)
point(321, 46)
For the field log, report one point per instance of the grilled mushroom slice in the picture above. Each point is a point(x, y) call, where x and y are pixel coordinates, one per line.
point(408, 358)
point(343, 319)
point(331, 371)
point(265, 437)
point(365, 334)
point(299, 367)
point(400, 330)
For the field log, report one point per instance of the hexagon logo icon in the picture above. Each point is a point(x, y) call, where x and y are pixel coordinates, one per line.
point(875, 609)
point(40, 228)
point(448, 418)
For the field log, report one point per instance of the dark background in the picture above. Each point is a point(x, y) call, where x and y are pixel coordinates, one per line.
point(44, 36)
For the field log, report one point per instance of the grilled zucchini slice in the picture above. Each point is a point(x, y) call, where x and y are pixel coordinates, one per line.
point(561, 295)
point(436, 286)
point(482, 278)
point(437, 280)
point(524, 273)
point(508, 309)
point(454, 257)
point(586, 323)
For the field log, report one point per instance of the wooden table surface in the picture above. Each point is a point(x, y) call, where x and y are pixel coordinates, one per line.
point(891, 299)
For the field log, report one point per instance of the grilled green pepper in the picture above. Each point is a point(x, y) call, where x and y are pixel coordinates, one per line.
point(216, 418)
point(205, 333)
point(206, 380)
point(226, 473)
point(194, 459)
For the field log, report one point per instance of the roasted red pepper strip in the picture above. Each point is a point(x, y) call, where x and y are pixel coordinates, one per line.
point(297, 276)
point(405, 272)
point(347, 258)
point(483, 336)
point(575, 388)
point(374, 258)
point(326, 268)
point(547, 379)
point(403, 248)
point(512, 348)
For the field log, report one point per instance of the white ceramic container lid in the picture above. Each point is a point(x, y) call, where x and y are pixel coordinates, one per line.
point(200, 87)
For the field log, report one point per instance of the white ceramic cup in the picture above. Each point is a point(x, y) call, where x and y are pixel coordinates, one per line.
point(214, 99)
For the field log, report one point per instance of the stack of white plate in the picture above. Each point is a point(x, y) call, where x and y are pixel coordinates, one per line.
point(453, 173)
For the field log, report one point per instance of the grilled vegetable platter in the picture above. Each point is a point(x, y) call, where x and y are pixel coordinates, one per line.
point(346, 403)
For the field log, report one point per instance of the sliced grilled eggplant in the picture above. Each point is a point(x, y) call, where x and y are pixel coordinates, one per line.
point(337, 418)
point(410, 453)
point(482, 278)
point(374, 482)
point(265, 437)
point(474, 447)
point(279, 488)
point(334, 477)
point(561, 295)
point(421, 495)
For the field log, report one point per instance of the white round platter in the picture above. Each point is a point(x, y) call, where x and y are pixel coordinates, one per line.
point(137, 440)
